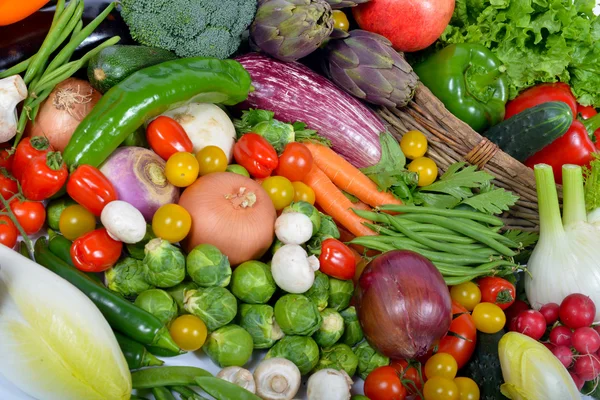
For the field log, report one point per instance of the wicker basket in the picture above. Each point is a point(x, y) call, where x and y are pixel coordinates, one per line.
point(451, 140)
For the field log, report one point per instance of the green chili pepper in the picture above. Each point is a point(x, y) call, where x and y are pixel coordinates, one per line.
point(148, 93)
point(160, 352)
point(24, 250)
point(471, 82)
point(135, 353)
point(224, 390)
point(166, 376)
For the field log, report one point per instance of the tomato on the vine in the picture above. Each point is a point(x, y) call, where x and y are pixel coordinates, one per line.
point(295, 162)
point(498, 291)
point(8, 185)
point(89, 187)
point(31, 215)
point(27, 150)
point(409, 375)
point(488, 317)
point(95, 251)
point(441, 364)
point(461, 338)
point(167, 137)
point(303, 192)
point(426, 169)
point(8, 232)
point(256, 154)
point(280, 190)
point(182, 169)
point(466, 294)
point(383, 383)
point(76, 221)
point(171, 222)
point(211, 159)
point(438, 388)
point(44, 177)
point(413, 144)
point(337, 260)
point(188, 332)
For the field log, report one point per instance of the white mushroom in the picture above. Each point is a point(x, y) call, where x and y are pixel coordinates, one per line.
point(123, 222)
point(292, 269)
point(12, 91)
point(329, 384)
point(277, 379)
point(293, 228)
point(239, 376)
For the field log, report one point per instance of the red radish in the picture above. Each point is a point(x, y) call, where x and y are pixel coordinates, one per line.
point(411, 25)
point(550, 312)
point(577, 311)
point(586, 340)
point(531, 323)
point(578, 381)
point(587, 367)
point(564, 355)
point(561, 336)
point(514, 310)
point(512, 326)
point(549, 345)
point(597, 328)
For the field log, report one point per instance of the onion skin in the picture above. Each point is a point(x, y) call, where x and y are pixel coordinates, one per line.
point(138, 176)
point(242, 231)
point(403, 304)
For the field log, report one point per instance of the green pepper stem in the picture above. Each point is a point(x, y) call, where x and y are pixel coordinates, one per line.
point(573, 195)
point(481, 80)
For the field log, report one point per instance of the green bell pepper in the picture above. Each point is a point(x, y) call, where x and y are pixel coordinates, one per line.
point(471, 82)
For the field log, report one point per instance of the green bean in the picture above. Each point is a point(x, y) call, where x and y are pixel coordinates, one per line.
point(404, 240)
point(452, 270)
point(77, 29)
point(187, 393)
point(224, 390)
point(374, 245)
point(166, 376)
point(16, 69)
point(457, 280)
point(162, 393)
point(370, 215)
point(474, 215)
point(450, 238)
point(60, 6)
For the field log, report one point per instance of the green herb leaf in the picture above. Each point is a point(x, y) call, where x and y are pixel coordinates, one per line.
point(458, 181)
point(308, 135)
point(249, 119)
point(525, 239)
point(493, 201)
point(435, 200)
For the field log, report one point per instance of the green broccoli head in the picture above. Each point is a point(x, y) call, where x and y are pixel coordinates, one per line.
point(190, 28)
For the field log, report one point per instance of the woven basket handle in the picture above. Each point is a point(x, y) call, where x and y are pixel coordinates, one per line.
point(482, 153)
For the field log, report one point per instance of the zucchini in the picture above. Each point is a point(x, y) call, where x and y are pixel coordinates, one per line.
point(526, 133)
point(484, 367)
point(115, 63)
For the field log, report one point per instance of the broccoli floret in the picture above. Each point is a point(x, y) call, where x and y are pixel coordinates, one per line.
point(209, 28)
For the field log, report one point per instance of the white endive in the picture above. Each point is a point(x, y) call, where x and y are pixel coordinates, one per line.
point(565, 259)
point(532, 372)
point(54, 343)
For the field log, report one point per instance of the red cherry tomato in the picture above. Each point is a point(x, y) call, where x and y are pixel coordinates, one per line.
point(167, 137)
point(409, 375)
point(337, 260)
point(95, 251)
point(8, 232)
point(498, 291)
point(8, 185)
point(295, 162)
point(461, 338)
point(27, 150)
point(6, 159)
point(90, 188)
point(383, 383)
point(256, 154)
point(31, 215)
point(44, 177)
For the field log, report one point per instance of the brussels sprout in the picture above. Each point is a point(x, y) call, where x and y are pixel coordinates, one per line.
point(158, 303)
point(301, 350)
point(178, 294)
point(259, 321)
point(319, 291)
point(165, 264)
point(307, 209)
point(340, 357)
point(368, 359)
point(55, 209)
point(296, 314)
point(277, 244)
point(216, 306)
point(207, 266)
point(253, 283)
point(331, 329)
point(229, 346)
point(136, 250)
point(352, 331)
point(327, 230)
point(340, 293)
point(127, 277)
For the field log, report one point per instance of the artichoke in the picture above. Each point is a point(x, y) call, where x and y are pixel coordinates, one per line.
point(291, 29)
point(335, 4)
point(365, 65)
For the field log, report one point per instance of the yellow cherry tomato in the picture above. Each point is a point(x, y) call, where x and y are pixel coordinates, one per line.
point(171, 222)
point(467, 389)
point(466, 294)
point(211, 159)
point(488, 317)
point(280, 190)
point(413, 144)
point(188, 332)
point(438, 388)
point(340, 20)
point(441, 364)
point(75, 221)
point(303, 192)
point(182, 169)
point(426, 169)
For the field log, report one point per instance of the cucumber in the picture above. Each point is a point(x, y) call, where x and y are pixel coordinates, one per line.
point(526, 133)
point(484, 366)
point(115, 63)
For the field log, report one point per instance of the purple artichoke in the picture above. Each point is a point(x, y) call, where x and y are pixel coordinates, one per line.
point(365, 65)
point(336, 4)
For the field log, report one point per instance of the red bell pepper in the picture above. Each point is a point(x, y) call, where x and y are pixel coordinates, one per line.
point(539, 94)
point(27, 150)
point(44, 176)
point(95, 251)
point(337, 259)
point(256, 154)
point(587, 112)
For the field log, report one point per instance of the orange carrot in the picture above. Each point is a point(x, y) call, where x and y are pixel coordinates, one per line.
point(349, 178)
point(334, 203)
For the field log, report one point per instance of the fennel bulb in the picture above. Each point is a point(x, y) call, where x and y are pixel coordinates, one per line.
point(532, 372)
point(565, 259)
point(54, 343)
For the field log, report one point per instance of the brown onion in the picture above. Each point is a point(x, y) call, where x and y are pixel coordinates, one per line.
point(231, 212)
point(63, 110)
point(403, 304)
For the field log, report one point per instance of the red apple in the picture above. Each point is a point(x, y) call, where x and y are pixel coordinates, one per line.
point(411, 25)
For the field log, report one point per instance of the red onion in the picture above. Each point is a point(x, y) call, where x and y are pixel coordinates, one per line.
point(138, 175)
point(296, 93)
point(403, 304)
